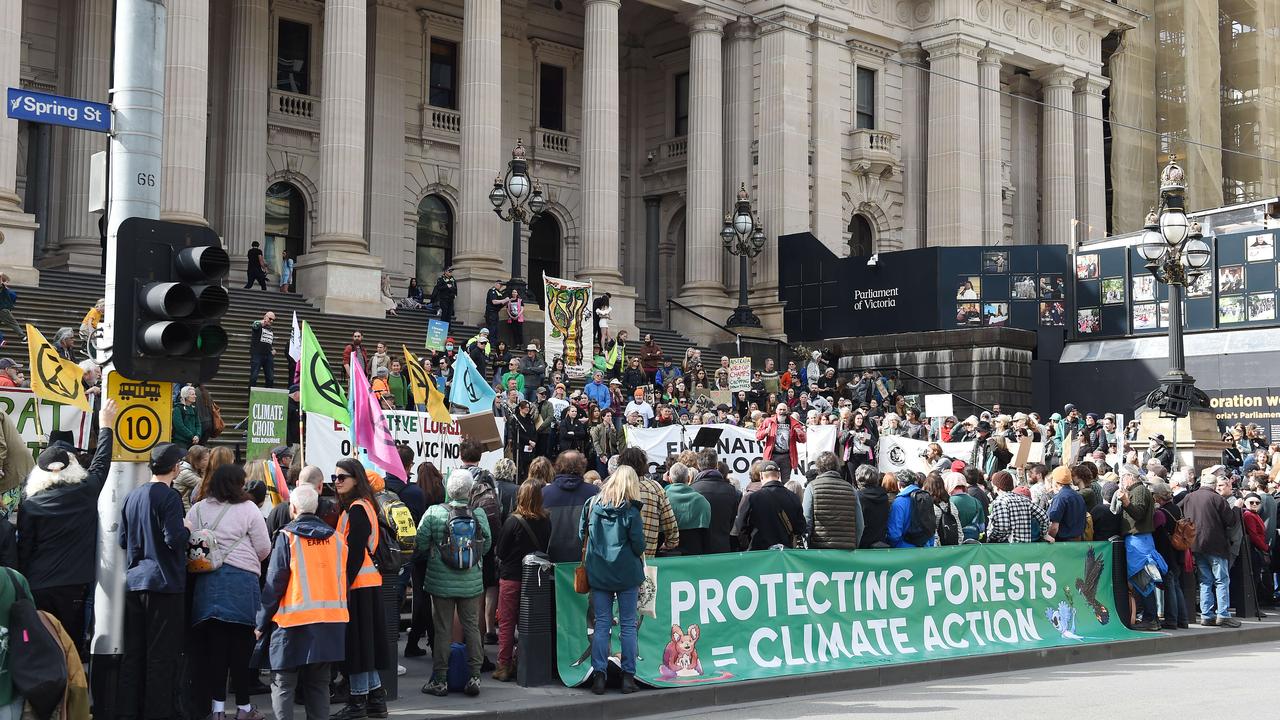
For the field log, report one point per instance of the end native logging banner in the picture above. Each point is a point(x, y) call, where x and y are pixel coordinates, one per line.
point(719, 619)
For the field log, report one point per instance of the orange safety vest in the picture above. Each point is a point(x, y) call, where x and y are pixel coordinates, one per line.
point(317, 589)
point(368, 575)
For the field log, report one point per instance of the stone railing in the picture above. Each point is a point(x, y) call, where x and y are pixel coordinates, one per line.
point(553, 141)
point(675, 149)
point(293, 105)
point(874, 151)
point(443, 120)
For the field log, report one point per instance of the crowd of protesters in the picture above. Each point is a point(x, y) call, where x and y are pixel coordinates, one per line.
point(224, 588)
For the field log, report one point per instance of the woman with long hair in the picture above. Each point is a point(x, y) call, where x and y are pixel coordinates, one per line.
point(937, 489)
point(613, 532)
point(218, 457)
point(857, 441)
point(541, 470)
point(431, 482)
point(521, 437)
point(515, 318)
point(526, 530)
point(366, 628)
point(224, 602)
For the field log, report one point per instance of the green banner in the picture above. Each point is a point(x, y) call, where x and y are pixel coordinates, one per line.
point(740, 616)
point(268, 421)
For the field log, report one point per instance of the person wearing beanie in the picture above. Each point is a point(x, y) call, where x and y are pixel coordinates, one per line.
point(1066, 510)
point(1014, 518)
point(639, 405)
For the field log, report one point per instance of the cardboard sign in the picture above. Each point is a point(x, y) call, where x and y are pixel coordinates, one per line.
point(739, 374)
point(482, 428)
point(1024, 452)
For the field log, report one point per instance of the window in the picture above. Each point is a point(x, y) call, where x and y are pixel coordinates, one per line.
point(680, 127)
point(435, 239)
point(286, 224)
point(293, 57)
point(444, 74)
point(544, 255)
point(551, 97)
point(866, 111)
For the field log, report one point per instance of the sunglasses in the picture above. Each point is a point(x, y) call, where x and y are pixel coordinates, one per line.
point(340, 477)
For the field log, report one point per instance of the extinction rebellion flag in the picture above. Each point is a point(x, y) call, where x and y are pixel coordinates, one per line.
point(724, 618)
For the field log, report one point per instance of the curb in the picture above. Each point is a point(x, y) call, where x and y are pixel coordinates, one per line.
point(615, 706)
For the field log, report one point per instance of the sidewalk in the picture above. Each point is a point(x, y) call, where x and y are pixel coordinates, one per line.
point(503, 701)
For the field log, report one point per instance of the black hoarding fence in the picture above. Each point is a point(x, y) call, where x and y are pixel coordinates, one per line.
point(920, 290)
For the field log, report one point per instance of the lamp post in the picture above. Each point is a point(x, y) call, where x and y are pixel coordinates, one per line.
point(517, 199)
point(1175, 254)
point(743, 236)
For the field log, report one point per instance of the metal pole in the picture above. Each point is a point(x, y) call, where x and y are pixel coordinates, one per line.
point(134, 186)
point(742, 281)
point(515, 247)
point(1177, 360)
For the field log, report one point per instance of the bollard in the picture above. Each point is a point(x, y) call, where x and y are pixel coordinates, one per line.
point(391, 613)
point(536, 652)
point(1120, 580)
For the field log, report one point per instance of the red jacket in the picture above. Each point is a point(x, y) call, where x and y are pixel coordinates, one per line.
point(768, 432)
point(1256, 530)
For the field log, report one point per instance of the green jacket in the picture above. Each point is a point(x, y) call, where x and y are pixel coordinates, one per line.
point(441, 579)
point(691, 508)
point(186, 424)
point(1139, 514)
point(615, 545)
point(8, 594)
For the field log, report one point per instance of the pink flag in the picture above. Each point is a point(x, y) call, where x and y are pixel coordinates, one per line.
point(370, 426)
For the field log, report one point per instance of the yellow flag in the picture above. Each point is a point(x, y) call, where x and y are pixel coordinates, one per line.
point(53, 377)
point(436, 406)
point(418, 379)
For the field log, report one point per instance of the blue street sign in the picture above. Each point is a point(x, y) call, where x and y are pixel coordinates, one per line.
point(41, 107)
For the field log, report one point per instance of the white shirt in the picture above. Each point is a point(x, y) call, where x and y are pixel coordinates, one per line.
point(642, 407)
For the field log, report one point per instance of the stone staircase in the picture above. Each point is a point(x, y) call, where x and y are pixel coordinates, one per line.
point(62, 299)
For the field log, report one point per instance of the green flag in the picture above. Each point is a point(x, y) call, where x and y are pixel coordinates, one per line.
point(321, 393)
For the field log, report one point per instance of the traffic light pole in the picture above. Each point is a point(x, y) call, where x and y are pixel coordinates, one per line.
point(137, 100)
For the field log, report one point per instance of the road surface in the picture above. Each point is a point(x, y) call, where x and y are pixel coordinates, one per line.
point(1115, 688)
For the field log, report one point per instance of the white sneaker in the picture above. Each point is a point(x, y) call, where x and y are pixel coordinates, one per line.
point(401, 670)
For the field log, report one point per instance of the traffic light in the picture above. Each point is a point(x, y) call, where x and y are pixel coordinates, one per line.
point(168, 301)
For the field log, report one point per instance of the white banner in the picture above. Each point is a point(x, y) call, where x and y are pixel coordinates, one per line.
point(898, 453)
point(329, 441)
point(738, 447)
point(20, 405)
point(568, 331)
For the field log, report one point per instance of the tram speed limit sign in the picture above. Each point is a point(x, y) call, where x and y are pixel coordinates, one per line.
point(144, 418)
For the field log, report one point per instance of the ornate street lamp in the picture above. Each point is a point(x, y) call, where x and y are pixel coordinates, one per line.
point(517, 199)
point(1175, 254)
point(743, 236)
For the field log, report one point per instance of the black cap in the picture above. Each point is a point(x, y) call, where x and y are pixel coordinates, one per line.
point(55, 457)
point(165, 457)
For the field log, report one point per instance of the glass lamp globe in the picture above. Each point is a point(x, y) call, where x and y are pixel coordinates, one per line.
point(1173, 226)
point(757, 238)
point(1196, 253)
point(743, 224)
point(537, 203)
point(518, 186)
point(1152, 247)
point(498, 195)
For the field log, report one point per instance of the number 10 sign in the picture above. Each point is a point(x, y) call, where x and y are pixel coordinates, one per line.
point(144, 418)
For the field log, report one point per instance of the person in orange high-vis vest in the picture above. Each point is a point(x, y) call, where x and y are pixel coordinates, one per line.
point(302, 624)
point(367, 651)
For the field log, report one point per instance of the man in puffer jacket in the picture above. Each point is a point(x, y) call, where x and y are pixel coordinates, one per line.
point(832, 512)
point(563, 500)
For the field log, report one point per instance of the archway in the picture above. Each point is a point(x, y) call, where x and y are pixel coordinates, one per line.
point(286, 225)
point(544, 254)
point(434, 240)
point(861, 237)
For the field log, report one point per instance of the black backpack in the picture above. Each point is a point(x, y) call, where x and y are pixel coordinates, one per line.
point(388, 558)
point(37, 663)
point(923, 523)
point(949, 530)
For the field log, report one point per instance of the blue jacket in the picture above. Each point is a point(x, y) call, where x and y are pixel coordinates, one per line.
point(615, 545)
point(154, 539)
point(666, 373)
point(900, 519)
point(289, 648)
point(598, 393)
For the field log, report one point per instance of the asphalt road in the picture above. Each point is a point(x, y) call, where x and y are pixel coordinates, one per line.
point(1118, 688)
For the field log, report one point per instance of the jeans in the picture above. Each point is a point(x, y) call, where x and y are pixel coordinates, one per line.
point(442, 609)
point(602, 605)
point(266, 364)
point(508, 613)
point(1215, 584)
point(311, 682)
point(1175, 602)
point(363, 682)
point(153, 637)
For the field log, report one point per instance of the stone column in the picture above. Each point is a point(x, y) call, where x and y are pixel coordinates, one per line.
point(600, 142)
point(1091, 186)
point(186, 112)
point(601, 261)
point(989, 119)
point(739, 121)
point(955, 170)
point(652, 238)
point(1024, 146)
point(338, 273)
point(479, 249)
point(1057, 157)
point(17, 229)
point(784, 148)
point(914, 148)
point(703, 287)
point(385, 160)
point(90, 73)
point(831, 119)
point(245, 187)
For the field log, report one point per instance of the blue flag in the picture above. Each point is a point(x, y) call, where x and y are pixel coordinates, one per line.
point(470, 389)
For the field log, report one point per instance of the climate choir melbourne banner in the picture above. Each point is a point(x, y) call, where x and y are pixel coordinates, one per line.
point(567, 330)
point(329, 441)
point(723, 618)
point(268, 421)
point(738, 448)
